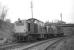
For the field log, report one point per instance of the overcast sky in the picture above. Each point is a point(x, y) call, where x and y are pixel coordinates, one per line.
point(44, 10)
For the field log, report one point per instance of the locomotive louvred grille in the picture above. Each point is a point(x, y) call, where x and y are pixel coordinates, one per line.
point(35, 28)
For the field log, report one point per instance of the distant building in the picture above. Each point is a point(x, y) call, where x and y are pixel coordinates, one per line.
point(68, 29)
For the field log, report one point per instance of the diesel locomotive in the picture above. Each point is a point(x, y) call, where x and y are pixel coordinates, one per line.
point(33, 29)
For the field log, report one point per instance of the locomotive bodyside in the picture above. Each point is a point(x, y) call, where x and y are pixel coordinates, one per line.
point(36, 28)
point(54, 30)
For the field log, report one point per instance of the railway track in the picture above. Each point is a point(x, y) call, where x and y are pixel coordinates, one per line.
point(28, 45)
point(25, 45)
point(14, 43)
point(6, 47)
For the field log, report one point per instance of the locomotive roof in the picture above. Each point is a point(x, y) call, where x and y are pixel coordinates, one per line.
point(20, 20)
point(34, 20)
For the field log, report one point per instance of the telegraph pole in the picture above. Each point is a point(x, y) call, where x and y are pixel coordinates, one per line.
point(61, 16)
point(32, 9)
point(61, 23)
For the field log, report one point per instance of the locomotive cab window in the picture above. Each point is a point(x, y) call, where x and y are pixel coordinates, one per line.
point(20, 21)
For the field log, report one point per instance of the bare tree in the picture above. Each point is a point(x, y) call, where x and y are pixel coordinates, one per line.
point(3, 13)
